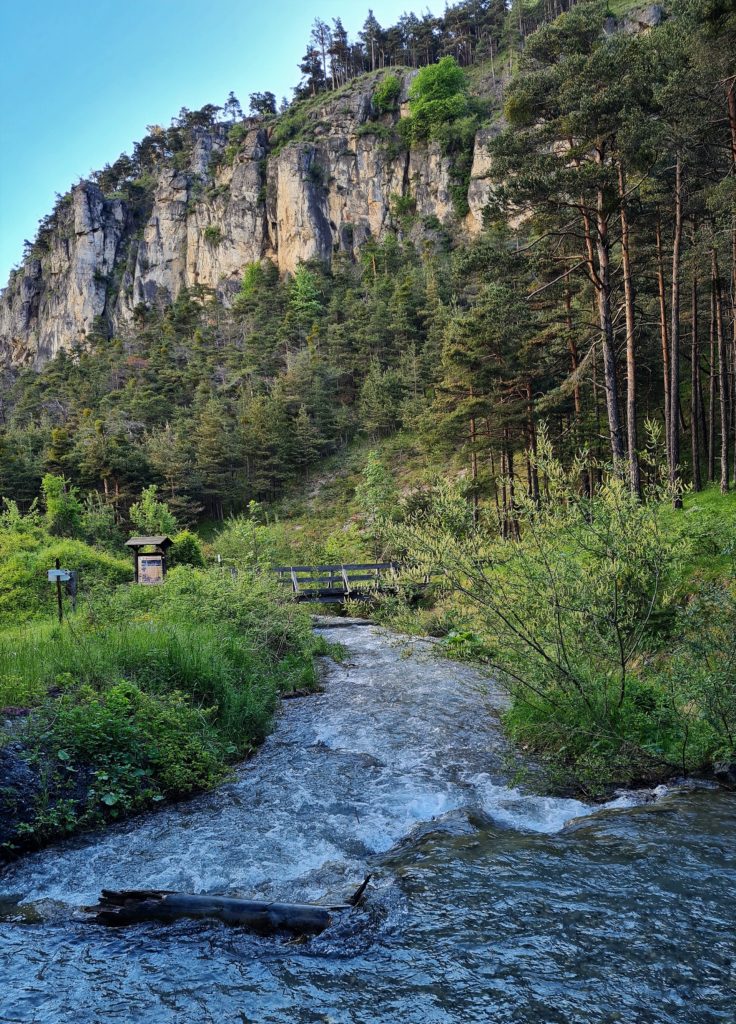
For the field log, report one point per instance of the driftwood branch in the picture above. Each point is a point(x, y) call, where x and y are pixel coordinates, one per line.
point(357, 898)
point(133, 906)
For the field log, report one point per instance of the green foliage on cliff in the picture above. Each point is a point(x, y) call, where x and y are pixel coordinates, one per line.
point(437, 96)
point(386, 94)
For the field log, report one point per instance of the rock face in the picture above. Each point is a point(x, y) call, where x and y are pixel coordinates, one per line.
point(52, 302)
point(331, 188)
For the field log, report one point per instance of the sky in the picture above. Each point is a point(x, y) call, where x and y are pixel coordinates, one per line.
point(81, 79)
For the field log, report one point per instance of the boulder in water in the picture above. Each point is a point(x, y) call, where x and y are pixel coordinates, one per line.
point(725, 773)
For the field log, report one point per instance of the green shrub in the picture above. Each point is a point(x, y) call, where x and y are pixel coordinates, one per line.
point(440, 81)
point(403, 206)
point(132, 747)
point(98, 525)
point(151, 692)
point(25, 560)
point(253, 279)
point(150, 516)
point(186, 550)
point(386, 96)
point(63, 516)
point(443, 111)
point(438, 95)
point(235, 138)
point(573, 616)
point(290, 125)
point(213, 235)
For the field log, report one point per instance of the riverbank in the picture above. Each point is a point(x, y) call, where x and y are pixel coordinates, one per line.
point(146, 695)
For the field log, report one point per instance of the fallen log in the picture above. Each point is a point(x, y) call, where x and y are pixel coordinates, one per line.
point(134, 906)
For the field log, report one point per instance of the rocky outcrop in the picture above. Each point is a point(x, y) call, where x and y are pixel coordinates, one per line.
point(331, 188)
point(54, 300)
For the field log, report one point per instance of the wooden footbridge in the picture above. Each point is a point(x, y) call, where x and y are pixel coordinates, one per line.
point(336, 583)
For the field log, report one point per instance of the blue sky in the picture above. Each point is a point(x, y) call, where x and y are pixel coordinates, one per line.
point(81, 79)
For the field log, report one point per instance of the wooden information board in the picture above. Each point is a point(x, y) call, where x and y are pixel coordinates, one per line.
point(150, 569)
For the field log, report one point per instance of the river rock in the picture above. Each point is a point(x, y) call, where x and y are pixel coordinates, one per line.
point(725, 773)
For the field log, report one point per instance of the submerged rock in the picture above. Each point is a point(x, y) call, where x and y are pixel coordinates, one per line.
point(725, 773)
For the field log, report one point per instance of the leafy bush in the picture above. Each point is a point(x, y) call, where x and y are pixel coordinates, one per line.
point(98, 525)
point(151, 516)
point(186, 550)
point(151, 692)
point(213, 235)
point(386, 96)
point(291, 125)
point(25, 559)
point(573, 617)
point(443, 111)
point(253, 278)
point(138, 745)
point(403, 206)
point(235, 138)
point(63, 509)
point(437, 95)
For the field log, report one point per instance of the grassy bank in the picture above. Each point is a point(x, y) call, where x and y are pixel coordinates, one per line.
point(610, 621)
point(145, 695)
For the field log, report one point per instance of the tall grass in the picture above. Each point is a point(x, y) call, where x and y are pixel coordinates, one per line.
point(149, 692)
point(228, 645)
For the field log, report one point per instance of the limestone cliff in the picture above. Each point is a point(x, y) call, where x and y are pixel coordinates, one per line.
point(328, 189)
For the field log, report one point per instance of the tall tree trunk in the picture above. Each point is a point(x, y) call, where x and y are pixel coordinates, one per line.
point(574, 358)
point(474, 469)
point(599, 307)
point(733, 327)
point(532, 430)
point(712, 386)
point(731, 105)
point(634, 472)
point(494, 480)
point(504, 489)
point(513, 521)
point(695, 385)
point(722, 371)
point(663, 337)
point(596, 473)
point(607, 342)
point(574, 363)
point(675, 341)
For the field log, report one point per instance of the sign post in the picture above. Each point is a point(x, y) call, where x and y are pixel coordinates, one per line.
point(59, 601)
point(59, 576)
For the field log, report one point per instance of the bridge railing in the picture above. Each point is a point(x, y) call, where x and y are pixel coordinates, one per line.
point(337, 582)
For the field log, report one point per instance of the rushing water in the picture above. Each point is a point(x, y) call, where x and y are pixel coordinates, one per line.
point(488, 904)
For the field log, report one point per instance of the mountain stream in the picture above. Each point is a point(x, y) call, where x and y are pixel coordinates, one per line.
point(488, 903)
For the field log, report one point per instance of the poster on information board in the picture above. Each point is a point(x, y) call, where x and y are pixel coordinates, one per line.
point(150, 569)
